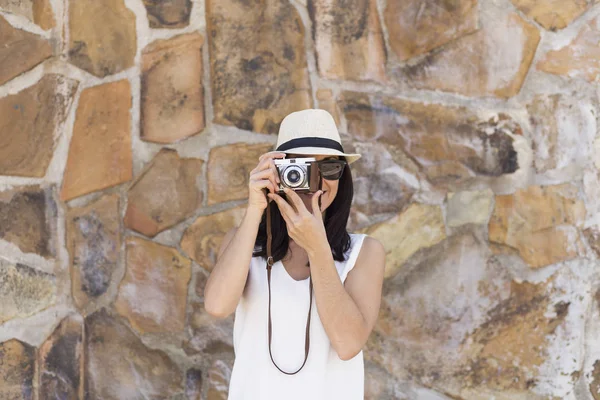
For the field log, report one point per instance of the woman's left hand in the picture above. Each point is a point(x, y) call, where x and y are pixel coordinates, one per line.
point(305, 228)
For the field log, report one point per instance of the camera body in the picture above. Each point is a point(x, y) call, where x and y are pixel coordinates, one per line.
point(298, 174)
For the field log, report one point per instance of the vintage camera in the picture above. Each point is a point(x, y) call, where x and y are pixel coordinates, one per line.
point(298, 174)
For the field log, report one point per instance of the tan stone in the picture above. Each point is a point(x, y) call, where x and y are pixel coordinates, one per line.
point(219, 375)
point(112, 350)
point(28, 219)
point(327, 102)
point(593, 237)
point(165, 194)
point(93, 243)
point(539, 223)
point(469, 207)
point(202, 239)
point(417, 27)
point(168, 14)
point(106, 48)
point(201, 279)
point(229, 170)
point(17, 370)
point(578, 59)
point(29, 120)
point(258, 63)
point(449, 143)
point(24, 291)
point(595, 383)
point(38, 11)
point(418, 227)
point(100, 149)
point(490, 62)
point(172, 93)
point(60, 359)
point(563, 132)
point(554, 14)
point(20, 51)
point(153, 293)
point(348, 39)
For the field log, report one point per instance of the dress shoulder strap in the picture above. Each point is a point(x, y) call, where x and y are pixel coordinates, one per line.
point(357, 240)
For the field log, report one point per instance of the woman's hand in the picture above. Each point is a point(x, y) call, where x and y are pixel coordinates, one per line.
point(304, 227)
point(264, 176)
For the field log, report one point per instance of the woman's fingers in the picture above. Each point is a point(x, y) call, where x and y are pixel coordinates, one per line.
point(286, 210)
point(262, 184)
point(266, 174)
point(296, 200)
point(315, 204)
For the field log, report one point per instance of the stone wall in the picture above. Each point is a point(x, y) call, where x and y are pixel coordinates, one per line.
point(128, 128)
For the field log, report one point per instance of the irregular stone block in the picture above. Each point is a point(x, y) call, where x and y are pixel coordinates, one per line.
point(539, 223)
point(419, 227)
point(447, 142)
point(119, 366)
point(563, 133)
point(30, 120)
point(209, 334)
point(554, 14)
point(202, 239)
point(193, 384)
point(28, 219)
point(172, 92)
point(17, 370)
point(348, 39)
point(490, 62)
point(229, 170)
point(469, 207)
point(168, 13)
point(327, 103)
point(101, 49)
point(164, 194)
point(219, 375)
point(578, 59)
point(60, 359)
point(93, 242)
point(20, 51)
point(100, 149)
point(153, 293)
point(258, 76)
point(24, 291)
point(416, 27)
point(38, 11)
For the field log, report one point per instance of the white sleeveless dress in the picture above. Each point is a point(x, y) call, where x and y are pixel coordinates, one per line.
point(324, 376)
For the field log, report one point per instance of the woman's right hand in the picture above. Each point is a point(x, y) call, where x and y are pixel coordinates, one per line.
point(264, 176)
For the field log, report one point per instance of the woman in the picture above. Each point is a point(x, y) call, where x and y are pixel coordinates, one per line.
point(298, 331)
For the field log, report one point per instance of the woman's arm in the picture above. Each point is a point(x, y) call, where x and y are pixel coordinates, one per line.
point(227, 280)
point(349, 311)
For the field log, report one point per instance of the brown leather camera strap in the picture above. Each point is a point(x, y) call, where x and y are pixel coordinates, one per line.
point(270, 326)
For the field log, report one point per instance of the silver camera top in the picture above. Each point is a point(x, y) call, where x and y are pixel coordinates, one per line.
point(302, 160)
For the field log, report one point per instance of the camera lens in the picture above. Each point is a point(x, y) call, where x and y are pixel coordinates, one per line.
point(293, 176)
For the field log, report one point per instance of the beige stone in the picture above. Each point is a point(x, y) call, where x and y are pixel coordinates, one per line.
point(578, 59)
point(20, 51)
point(490, 62)
point(209, 334)
point(24, 291)
point(219, 375)
point(417, 27)
point(449, 143)
point(153, 293)
point(563, 132)
point(229, 169)
point(113, 350)
point(348, 39)
point(60, 359)
point(593, 237)
point(29, 121)
point(17, 370)
point(469, 207)
point(100, 149)
point(101, 48)
point(327, 102)
point(93, 243)
point(418, 227)
point(539, 223)
point(554, 14)
point(202, 239)
point(595, 381)
point(168, 14)
point(28, 219)
point(164, 194)
point(258, 63)
point(172, 93)
point(38, 11)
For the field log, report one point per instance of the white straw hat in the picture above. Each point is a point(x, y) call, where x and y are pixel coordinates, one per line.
point(311, 131)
